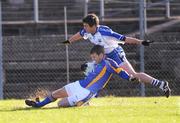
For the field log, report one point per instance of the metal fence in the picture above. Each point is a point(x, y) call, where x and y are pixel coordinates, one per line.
point(45, 10)
point(37, 65)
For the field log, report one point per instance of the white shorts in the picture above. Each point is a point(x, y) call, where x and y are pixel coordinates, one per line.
point(77, 93)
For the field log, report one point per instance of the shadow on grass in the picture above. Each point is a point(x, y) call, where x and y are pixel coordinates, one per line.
point(28, 109)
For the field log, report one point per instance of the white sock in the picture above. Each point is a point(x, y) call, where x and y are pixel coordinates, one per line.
point(157, 83)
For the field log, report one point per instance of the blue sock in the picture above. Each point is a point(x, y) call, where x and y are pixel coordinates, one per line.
point(46, 101)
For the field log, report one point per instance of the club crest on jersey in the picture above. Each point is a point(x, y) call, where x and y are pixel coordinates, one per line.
point(90, 38)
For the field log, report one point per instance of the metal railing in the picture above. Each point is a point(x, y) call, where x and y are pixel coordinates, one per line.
point(38, 10)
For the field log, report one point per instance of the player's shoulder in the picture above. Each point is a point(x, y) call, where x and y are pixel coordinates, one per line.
point(82, 31)
point(101, 64)
point(111, 62)
point(103, 28)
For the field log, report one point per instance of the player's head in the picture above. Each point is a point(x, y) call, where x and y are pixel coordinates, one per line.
point(97, 53)
point(90, 22)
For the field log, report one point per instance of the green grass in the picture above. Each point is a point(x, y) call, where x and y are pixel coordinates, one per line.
point(102, 110)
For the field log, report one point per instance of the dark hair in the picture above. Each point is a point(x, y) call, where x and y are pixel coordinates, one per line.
point(98, 49)
point(91, 19)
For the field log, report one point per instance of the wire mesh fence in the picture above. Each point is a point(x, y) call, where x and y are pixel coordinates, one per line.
point(37, 65)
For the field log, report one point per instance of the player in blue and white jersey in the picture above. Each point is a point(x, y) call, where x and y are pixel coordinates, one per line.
point(106, 37)
point(79, 92)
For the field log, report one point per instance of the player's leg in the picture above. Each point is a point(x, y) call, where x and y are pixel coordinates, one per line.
point(77, 96)
point(119, 56)
point(70, 102)
point(141, 76)
point(145, 78)
point(60, 93)
point(42, 103)
point(64, 103)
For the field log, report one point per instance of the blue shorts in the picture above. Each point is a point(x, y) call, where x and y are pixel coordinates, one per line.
point(117, 55)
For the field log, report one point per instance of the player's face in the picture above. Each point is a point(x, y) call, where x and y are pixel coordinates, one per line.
point(88, 28)
point(97, 58)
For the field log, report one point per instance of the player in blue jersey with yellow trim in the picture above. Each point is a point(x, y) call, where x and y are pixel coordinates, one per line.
point(106, 37)
point(79, 92)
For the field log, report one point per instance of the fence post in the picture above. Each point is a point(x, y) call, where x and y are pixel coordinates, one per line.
point(167, 9)
point(143, 29)
point(102, 9)
point(36, 11)
point(86, 7)
point(1, 61)
point(67, 48)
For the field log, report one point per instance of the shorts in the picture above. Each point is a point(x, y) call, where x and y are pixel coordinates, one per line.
point(118, 55)
point(77, 93)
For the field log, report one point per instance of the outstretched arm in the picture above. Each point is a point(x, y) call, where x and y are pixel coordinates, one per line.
point(114, 68)
point(130, 40)
point(73, 38)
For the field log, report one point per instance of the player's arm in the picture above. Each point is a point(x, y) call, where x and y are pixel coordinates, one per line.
point(73, 38)
point(121, 73)
point(122, 38)
point(114, 68)
point(130, 40)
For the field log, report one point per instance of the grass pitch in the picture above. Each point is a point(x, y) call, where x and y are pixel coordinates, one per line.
point(101, 110)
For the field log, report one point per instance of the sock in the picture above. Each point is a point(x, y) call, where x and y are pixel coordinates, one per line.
point(46, 101)
point(157, 83)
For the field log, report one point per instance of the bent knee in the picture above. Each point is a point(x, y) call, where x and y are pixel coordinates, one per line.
point(138, 74)
point(63, 103)
point(135, 74)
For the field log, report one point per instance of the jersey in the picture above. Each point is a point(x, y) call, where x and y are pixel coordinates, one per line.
point(105, 37)
point(97, 79)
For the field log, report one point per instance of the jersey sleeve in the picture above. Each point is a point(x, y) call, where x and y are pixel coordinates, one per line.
point(114, 68)
point(106, 31)
point(82, 32)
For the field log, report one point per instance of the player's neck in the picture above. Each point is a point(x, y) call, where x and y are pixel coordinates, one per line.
point(94, 30)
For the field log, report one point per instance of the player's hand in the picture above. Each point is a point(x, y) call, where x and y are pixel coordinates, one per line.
point(146, 42)
point(83, 67)
point(66, 42)
point(133, 79)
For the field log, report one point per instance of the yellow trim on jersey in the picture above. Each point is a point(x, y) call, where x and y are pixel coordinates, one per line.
point(107, 80)
point(101, 74)
point(117, 70)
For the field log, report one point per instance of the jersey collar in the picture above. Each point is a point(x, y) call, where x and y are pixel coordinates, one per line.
point(97, 28)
